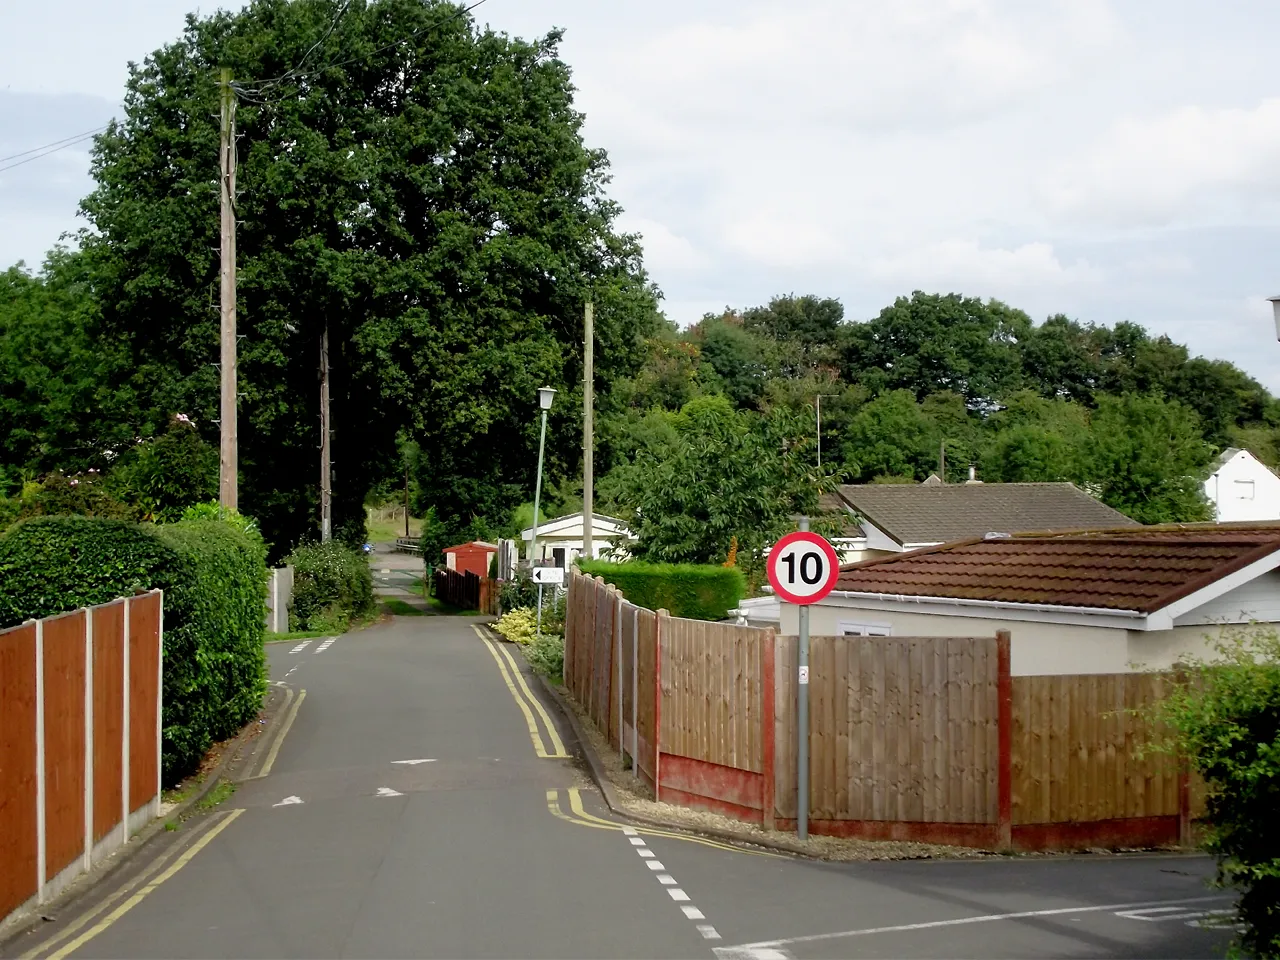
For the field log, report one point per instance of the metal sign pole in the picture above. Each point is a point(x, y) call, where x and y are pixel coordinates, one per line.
point(539, 611)
point(802, 724)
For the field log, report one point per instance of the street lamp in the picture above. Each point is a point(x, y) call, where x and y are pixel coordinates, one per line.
point(545, 396)
point(1275, 309)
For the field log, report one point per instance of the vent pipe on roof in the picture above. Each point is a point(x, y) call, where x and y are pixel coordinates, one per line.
point(973, 474)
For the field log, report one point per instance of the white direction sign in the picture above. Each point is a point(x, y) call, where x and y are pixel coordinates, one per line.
point(548, 575)
point(803, 567)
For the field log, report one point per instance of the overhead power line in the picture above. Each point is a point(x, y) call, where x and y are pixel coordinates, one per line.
point(35, 153)
point(259, 87)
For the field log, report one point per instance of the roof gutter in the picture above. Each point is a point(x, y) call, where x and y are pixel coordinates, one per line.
point(990, 604)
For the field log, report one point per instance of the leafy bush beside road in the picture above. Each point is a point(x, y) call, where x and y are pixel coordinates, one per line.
point(1226, 721)
point(683, 589)
point(546, 653)
point(213, 574)
point(332, 586)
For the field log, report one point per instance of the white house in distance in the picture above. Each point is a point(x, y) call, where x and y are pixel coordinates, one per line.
point(1103, 601)
point(1242, 487)
point(560, 540)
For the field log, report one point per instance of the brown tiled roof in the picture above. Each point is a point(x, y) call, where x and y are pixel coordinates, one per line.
point(937, 513)
point(1141, 569)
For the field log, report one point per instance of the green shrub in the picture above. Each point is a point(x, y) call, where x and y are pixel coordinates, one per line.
point(546, 655)
point(1226, 721)
point(332, 585)
point(518, 625)
point(214, 580)
point(519, 592)
point(689, 590)
point(163, 475)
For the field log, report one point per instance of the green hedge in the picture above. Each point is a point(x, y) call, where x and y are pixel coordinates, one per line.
point(214, 579)
point(689, 590)
point(332, 585)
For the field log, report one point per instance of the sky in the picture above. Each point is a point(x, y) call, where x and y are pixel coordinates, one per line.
point(1107, 160)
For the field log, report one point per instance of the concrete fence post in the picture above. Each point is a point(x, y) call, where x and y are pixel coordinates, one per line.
point(41, 845)
point(87, 860)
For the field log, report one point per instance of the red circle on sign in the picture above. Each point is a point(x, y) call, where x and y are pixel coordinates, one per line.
point(783, 580)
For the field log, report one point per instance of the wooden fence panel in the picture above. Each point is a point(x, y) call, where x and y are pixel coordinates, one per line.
point(64, 740)
point(108, 716)
point(646, 694)
point(144, 679)
point(1076, 750)
point(900, 729)
point(711, 688)
point(18, 771)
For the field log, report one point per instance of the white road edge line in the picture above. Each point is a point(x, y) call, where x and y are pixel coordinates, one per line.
point(986, 918)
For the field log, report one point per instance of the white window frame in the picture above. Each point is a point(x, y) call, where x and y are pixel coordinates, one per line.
point(857, 628)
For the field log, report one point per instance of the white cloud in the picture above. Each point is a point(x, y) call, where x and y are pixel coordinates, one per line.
point(968, 265)
point(663, 249)
point(1190, 164)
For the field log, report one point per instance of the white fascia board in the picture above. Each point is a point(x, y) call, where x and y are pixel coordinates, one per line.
point(1220, 586)
point(877, 539)
point(990, 609)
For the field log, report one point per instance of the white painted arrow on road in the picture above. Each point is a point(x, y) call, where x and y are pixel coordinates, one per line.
point(287, 801)
point(413, 762)
point(388, 792)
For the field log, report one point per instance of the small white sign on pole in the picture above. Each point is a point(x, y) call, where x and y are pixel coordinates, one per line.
point(548, 575)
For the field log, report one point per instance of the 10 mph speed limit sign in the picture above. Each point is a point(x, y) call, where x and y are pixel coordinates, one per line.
point(803, 567)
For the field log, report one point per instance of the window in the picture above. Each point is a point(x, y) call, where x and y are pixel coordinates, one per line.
point(849, 629)
point(1243, 489)
point(558, 553)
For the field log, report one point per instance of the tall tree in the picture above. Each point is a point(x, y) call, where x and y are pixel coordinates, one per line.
point(929, 343)
point(415, 184)
point(716, 474)
point(1147, 459)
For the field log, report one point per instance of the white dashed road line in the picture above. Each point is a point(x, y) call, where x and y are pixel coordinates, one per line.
point(300, 647)
point(325, 645)
point(706, 930)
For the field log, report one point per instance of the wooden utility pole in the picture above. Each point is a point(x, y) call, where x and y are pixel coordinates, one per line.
point(326, 479)
point(588, 440)
point(228, 466)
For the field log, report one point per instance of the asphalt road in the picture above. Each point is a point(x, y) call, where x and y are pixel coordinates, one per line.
point(493, 844)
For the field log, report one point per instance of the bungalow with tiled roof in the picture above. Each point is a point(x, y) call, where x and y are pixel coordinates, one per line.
point(887, 518)
point(1100, 601)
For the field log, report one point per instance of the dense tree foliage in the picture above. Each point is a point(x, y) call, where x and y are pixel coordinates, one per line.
point(420, 187)
point(415, 184)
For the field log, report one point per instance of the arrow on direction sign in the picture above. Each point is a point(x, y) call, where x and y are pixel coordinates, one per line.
point(287, 801)
point(388, 792)
point(413, 762)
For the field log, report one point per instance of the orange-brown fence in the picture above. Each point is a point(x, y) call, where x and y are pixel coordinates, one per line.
point(688, 700)
point(928, 739)
point(79, 742)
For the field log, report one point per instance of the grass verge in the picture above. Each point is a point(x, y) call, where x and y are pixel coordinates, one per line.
point(399, 608)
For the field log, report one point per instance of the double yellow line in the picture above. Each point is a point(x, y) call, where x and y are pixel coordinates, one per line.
point(525, 700)
point(580, 817)
point(145, 883)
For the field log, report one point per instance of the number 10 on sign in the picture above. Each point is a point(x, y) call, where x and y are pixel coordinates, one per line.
point(803, 567)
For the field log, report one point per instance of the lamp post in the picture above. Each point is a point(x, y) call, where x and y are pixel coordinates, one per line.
point(1275, 309)
point(545, 396)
